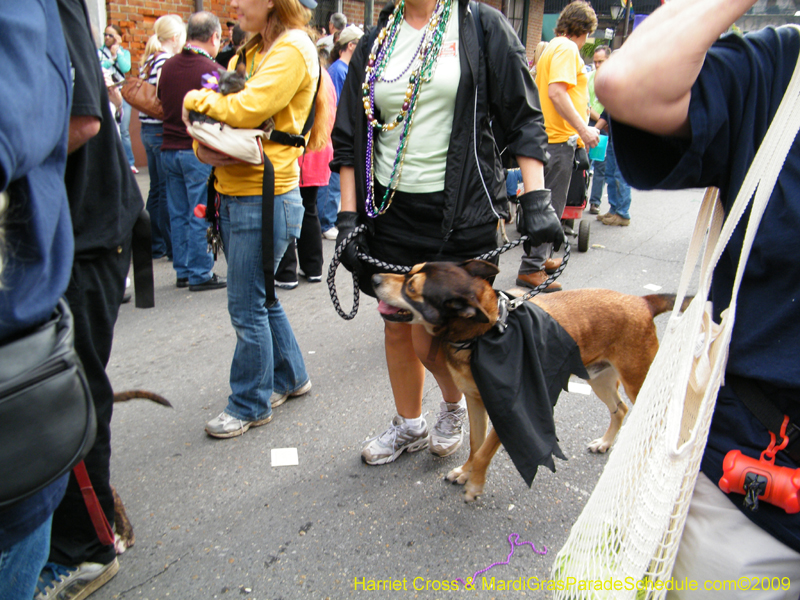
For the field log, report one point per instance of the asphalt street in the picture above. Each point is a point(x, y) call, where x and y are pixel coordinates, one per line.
point(214, 519)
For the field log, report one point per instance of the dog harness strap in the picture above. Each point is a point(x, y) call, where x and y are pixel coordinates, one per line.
point(101, 525)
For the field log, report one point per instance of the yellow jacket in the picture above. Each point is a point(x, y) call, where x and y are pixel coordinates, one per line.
point(282, 86)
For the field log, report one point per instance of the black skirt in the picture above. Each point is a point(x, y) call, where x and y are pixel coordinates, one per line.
point(410, 232)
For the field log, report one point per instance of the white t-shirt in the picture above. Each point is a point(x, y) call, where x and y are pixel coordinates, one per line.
point(429, 136)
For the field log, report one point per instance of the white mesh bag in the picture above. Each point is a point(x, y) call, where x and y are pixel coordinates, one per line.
point(629, 531)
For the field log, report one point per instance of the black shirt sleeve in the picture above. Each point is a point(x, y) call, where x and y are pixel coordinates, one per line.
point(87, 77)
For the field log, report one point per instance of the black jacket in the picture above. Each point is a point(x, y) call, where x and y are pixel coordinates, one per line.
point(495, 90)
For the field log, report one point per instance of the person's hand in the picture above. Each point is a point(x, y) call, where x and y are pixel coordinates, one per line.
point(114, 95)
point(215, 159)
point(590, 137)
point(539, 220)
point(346, 222)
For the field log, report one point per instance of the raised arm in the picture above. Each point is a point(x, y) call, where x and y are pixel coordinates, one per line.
point(648, 82)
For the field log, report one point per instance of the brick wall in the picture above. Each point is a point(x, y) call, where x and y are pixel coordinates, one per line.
point(136, 18)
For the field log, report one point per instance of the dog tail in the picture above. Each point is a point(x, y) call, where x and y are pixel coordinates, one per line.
point(143, 395)
point(661, 303)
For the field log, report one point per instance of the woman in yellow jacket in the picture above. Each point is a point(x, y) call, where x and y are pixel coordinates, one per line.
point(282, 70)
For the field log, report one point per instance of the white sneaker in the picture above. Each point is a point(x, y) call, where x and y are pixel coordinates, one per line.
point(57, 581)
point(447, 433)
point(387, 446)
point(330, 234)
point(278, 398)
point(227, 426)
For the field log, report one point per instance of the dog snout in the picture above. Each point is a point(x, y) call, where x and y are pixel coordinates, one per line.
point(377, 280)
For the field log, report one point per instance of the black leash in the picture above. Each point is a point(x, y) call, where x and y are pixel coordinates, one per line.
point(389, 268)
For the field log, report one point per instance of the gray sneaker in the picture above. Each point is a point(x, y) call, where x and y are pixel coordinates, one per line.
point(279, 398)
point(446, 434)
point(57, 581)
point(226, 426)
point(387, 446)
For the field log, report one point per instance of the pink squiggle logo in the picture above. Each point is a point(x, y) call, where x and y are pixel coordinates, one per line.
point(513, 541)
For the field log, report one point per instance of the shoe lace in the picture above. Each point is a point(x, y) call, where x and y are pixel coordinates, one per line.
point(226, 418)
point(388, 438)
point(52, 574)
point(449, 421)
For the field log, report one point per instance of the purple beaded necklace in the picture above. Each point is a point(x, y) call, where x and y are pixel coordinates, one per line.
point(424, 61)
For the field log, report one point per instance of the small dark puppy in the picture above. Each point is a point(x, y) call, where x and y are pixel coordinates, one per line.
point(123, 530)
point(228, 82)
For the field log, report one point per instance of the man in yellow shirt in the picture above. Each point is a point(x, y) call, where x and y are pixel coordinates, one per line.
point(564, 96)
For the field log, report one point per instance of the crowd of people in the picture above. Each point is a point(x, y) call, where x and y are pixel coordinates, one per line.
point(392, 128)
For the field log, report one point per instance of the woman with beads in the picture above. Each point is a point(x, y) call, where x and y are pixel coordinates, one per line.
point(420, 167)
point(282, 70)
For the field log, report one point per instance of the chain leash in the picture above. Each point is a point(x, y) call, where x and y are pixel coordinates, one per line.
point(389, 268)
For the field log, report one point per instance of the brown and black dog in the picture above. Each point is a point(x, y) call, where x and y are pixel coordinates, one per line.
point(455, 302)
point(123, 530)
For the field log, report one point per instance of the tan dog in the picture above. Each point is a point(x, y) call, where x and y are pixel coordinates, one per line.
point(123, 530)
point(615, 333)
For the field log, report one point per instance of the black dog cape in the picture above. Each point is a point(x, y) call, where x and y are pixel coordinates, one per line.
point(520, 373)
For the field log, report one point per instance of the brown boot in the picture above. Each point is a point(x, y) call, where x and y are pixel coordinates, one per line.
point(616, 220)
point(551, 264)
point(604, 216)
point(532, 280)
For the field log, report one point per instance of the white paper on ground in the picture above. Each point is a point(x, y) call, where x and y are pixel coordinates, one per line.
point(284, 457)
point(652, 287)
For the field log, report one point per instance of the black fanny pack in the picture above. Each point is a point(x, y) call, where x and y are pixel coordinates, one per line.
point(47, 418)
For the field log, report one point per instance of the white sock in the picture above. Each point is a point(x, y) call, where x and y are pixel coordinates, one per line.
point(415, 424)
point(455, 405)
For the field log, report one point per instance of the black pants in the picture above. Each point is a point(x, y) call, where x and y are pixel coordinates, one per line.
point(308, 246)
point(94, 295)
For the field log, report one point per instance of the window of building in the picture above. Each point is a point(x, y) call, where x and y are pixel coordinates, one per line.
point(514, 11)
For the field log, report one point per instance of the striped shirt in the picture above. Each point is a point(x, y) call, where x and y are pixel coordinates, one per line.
point(157, 61)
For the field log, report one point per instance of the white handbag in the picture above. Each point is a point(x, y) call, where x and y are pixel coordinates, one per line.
point(625, 541)
point(242, 144)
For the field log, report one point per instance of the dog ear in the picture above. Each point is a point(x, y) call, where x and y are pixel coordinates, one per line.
point(468, 309)
point(480, 268)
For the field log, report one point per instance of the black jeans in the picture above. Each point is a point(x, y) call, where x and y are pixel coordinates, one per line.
point(94, 295)
point(309, 245)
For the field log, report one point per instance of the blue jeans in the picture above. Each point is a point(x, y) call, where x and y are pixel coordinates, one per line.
point(157, 196)
point(21, 564)
point(598, 180)
point(329, 198)
point(187, 184)
point(619, 192)
point(125, 133)
point(267, 357)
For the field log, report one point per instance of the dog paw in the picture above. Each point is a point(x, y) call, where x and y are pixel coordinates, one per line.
point(458, 475)
point(472, 493)
point(599, 446)
point(121, 544)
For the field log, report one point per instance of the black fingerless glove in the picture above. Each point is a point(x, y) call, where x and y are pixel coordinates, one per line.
point(346, 222)
point(539, 220)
